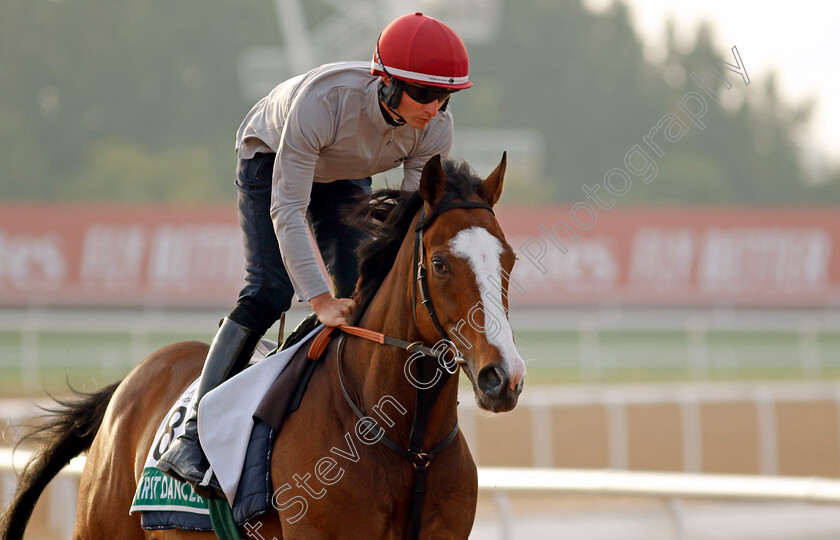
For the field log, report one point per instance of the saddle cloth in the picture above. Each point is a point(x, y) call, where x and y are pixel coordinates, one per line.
point(234, 444)
point(166, 503)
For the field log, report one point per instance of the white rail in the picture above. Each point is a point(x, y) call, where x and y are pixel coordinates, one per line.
point(539, 401)
point(670, 487)
point(808, 338)
point(661, 485)
point(603, 482)
point(15, 460)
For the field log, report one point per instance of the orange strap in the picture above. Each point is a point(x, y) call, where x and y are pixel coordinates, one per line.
point(323, 339)
point(320, 344)
point(364, 333)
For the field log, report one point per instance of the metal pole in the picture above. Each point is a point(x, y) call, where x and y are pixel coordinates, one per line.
point(506, 516)
point(677, 513)
point(292, 23)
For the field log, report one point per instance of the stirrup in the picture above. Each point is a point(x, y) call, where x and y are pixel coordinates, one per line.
point(185, 461)
point(209, 487)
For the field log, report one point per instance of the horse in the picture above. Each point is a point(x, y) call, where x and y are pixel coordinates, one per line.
point(434, 275)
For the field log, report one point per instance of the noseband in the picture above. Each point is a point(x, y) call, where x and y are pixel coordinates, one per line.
point(425, 398)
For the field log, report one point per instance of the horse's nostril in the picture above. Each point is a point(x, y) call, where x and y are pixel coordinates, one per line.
point(491, 380)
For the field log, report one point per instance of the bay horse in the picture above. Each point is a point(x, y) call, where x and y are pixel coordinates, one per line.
point(436, 266)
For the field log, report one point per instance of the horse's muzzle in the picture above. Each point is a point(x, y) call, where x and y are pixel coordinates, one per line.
point(493, 389)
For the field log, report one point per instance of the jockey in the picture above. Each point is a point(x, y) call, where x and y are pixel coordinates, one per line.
point(305, 150)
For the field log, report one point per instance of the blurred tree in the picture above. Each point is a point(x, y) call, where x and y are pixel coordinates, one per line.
point(140, 101)
point(751, 143)
point(121, 170)
point(578, 78)
point(827, 192)
point(581, 79)
point(80, 77)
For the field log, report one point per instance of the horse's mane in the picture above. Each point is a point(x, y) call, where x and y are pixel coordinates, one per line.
point(385, 216)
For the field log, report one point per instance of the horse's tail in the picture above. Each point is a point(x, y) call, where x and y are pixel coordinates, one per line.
point(68, 431)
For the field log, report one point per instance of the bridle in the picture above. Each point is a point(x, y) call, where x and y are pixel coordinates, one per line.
point(425, 398)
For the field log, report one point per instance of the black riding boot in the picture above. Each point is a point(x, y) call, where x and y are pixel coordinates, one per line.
point(229, 354)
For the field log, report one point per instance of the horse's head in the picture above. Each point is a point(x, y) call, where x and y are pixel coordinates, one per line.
point(467, 263)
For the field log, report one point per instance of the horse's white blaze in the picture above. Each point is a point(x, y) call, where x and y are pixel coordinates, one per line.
point(483, 251)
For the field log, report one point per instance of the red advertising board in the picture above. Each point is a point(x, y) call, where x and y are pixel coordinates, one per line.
point(112, 255)
point(677, 256)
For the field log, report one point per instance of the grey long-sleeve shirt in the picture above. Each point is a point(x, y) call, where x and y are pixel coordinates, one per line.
point(326, 125)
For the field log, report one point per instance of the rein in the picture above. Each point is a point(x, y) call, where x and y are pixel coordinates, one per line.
point(382, 339)
point(425, 399)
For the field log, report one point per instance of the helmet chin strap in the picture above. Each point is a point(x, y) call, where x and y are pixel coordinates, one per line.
point(388, 94)
point(399, 120)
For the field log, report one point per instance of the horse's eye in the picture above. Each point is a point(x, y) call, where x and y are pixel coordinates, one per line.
point(440, 266)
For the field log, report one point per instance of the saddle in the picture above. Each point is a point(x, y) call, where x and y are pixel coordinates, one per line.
point(163, 502)
point(285, 395)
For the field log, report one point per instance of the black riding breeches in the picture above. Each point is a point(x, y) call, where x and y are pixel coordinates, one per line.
point(269, 291)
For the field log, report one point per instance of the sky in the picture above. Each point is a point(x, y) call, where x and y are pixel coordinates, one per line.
point(799, 40)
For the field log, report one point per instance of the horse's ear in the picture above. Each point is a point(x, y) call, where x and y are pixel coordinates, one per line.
point(432, 181)
point(491, 188)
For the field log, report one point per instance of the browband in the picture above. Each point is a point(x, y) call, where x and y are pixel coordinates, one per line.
point(424, 222)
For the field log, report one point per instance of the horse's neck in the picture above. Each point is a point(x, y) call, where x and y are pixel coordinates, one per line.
point(380, 369)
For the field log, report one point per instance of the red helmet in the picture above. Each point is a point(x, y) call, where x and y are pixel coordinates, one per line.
point(421, 50)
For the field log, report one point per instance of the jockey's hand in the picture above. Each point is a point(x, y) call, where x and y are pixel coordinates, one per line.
point(333, 311)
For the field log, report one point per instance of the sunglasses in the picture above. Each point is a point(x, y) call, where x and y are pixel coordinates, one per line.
point(425, 94)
